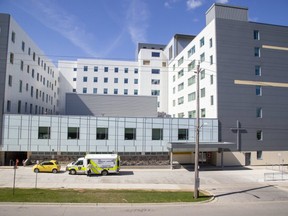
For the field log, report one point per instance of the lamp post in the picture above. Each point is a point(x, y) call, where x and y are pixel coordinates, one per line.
point(196, 169)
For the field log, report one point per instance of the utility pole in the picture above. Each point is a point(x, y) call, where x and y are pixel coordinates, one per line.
point(196, 169)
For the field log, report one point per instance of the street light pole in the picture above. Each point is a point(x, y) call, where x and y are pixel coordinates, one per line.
point(197, 179)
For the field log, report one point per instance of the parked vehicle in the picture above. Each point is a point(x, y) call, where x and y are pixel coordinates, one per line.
point(47, 166)
point(97, 163)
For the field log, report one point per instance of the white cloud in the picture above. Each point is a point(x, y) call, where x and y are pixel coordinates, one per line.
point(65, 24)
point(169, 3)
point(222, 1)
point(137, 21)
point(192, 4)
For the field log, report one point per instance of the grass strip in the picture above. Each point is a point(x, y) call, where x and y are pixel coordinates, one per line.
point(96, 196)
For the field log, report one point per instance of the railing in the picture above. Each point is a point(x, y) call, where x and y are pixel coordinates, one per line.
point(282, 176)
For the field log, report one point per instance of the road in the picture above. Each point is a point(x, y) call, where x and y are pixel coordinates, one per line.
point(236, 191)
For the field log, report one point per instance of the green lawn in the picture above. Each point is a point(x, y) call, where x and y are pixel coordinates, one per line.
point(96, 196)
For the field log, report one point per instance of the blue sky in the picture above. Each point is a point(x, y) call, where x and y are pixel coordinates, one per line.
point(111, 29)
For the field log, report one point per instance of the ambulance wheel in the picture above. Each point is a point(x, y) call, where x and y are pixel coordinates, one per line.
point(72, 172)
point(36, 170)
point(104, 173)
point(54, 171)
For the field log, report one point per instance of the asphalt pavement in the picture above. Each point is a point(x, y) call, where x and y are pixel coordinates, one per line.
point(228, 185)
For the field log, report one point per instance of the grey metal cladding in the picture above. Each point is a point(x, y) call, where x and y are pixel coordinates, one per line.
point(236, 61)
point(4, 37)
point(111, 105)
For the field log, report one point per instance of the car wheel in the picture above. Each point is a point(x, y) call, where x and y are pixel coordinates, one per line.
point(36, 170)
point(104, 173)
point(54, 171)
point(72, 172)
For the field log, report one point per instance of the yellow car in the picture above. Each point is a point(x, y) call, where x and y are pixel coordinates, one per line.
point(47, 166)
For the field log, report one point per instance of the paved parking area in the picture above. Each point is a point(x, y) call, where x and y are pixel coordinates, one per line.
point(228, 185)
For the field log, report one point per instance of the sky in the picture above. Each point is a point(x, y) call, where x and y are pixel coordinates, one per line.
point(111, 29)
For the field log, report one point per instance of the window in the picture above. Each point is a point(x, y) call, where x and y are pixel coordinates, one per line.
point(74, 69)
point(84, 90)
point(259, 112)
point(211, 59)
point(73, 133)
point(23, 46)
point(8, 106)
point(105, 91)
point(95, 79)
point(125, 80)
point(106, 69)
point(259, 90)
point(74, 79)
point(183, 134)
point(191, 80)
point(256, 35)
point(202, 74)
point(135, 81)
point(85, 79)
point(11, 58)
point(125, 91)
point(181, 86)
point(191, 96)
point(157, 134)
point(115, 80)
point(34, 56)
point(202, 92)
point(211, 100)
point(13, 36)
point(20, 85)
point(259, 155)
point(257, 52)
point(102, 134)
point(135, 91)
point(105, 79)
point(125, 70)
point(130, 134)
point(180, 100)
point(155, 54)
point(180, 73)
point(191, 66)
point(174, 78)
point(202, 42)
point(10, 80)
point(115, 91)
point(203, 112)
point(19, 106)
point(135, 70)
point(155, 92)
point(94, 90)
point(192, 114)
point(257, 70)
point(95, 69)
point(259, 135)
point(155, 81)
point(85, 68)
point(210, 42)
point(191, 51)
point(44, 133)
point(180, 61)
point(211, 79)
point(155, 71)
point(146, 62)
point(116, 69)
point(202, 57)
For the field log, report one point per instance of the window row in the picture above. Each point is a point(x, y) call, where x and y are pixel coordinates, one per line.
point(106, 91)
point(105, 69)
point(106, 79)
point(29, 108)
point(23, 48)
point(39, 77)
point(102, 133)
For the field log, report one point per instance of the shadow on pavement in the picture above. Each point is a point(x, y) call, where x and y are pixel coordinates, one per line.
point(205, 167)
point(243, 191)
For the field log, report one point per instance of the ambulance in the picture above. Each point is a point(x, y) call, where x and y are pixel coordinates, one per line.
point(100, 164)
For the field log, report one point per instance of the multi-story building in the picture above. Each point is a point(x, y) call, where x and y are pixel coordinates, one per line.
point(241, 66)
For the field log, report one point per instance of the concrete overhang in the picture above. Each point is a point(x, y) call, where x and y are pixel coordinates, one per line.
point(203, 146)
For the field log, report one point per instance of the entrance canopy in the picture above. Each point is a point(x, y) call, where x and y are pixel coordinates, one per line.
point(203, 146)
